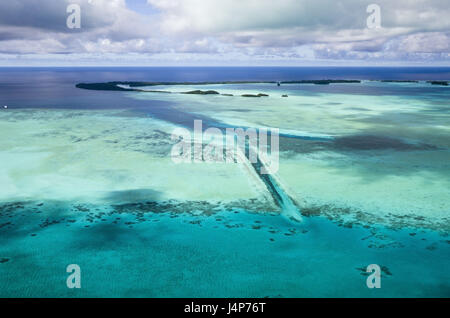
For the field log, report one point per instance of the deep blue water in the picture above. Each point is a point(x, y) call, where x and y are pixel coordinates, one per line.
point(28, 85)
point(192, 74)
point(55, 87)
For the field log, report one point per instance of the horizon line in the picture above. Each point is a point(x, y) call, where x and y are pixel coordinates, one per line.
point(224, 66)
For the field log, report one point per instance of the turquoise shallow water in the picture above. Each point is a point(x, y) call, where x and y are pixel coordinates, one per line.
point(228, 254)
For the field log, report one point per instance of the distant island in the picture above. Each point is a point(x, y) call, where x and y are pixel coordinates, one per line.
point(135, 86)
point(442, 83)
point(199, 92)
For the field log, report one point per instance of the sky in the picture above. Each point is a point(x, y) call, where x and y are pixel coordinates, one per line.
point(225, 33)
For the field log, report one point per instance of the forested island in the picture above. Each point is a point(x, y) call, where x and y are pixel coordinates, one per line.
point(136, 86)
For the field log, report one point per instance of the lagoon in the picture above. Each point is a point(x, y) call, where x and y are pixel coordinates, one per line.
point(87, 179)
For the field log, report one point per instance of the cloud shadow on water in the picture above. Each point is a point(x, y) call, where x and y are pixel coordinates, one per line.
point(132, 196)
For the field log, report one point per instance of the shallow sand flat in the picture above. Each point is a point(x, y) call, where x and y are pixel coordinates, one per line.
point(400, 174)
point(235, 89)
point(106, 157)
point(318, 113)
point(269, 111)
point(361, 181)
point(374, 189)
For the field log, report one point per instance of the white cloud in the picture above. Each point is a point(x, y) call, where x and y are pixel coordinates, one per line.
point(225, 29)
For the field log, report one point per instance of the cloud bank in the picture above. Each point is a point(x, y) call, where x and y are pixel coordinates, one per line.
point(225, 32)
